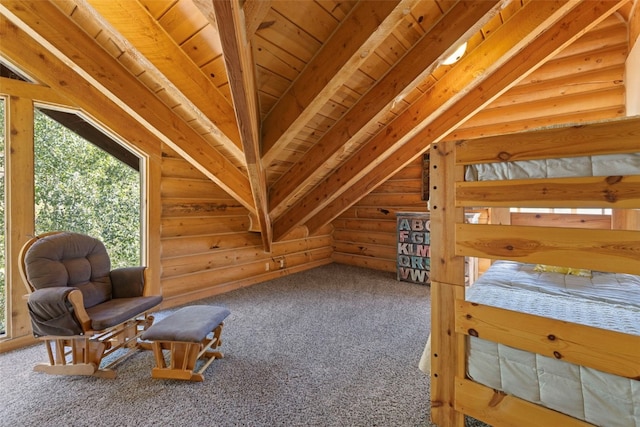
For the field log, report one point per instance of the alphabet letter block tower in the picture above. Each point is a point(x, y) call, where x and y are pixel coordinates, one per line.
point(414, 247)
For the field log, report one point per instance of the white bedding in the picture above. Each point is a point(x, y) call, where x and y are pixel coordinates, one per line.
point(596, 397)
point(601, 165)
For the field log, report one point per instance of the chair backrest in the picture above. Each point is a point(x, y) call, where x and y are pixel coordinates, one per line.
point(68, 259)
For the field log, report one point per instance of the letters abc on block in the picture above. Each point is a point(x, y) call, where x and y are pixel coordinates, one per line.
point(414, 247)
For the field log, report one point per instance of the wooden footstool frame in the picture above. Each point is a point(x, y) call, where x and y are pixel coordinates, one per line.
point(190, 334)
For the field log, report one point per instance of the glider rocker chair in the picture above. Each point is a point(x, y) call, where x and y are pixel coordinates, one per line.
point(79, 307)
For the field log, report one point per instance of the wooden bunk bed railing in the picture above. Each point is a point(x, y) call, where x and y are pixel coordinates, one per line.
point(603, 250)
point(453, 394)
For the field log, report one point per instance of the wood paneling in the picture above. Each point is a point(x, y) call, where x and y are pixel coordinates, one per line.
point(549, 95)
point(581, 83)
point(207, 247)
point(365, 235)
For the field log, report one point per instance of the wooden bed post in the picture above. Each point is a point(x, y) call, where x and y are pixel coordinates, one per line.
point(447, 284)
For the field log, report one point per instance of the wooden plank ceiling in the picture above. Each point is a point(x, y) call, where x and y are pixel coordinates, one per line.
point(298, 109)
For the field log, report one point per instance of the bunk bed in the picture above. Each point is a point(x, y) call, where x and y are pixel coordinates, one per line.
point(537, 353)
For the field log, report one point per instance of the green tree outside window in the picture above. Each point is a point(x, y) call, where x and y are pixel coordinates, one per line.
point(81, 188)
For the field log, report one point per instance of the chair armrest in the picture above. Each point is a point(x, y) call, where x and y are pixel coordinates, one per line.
point(127, 282)
point(53, 313)
point(77, 301)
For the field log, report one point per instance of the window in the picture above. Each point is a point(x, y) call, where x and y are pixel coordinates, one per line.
point(86, 182)
point(591, 211)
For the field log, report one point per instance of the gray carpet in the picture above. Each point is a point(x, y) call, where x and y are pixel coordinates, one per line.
point(333, 346)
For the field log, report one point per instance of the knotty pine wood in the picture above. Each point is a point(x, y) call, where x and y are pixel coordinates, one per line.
point(130, 92)
point(193, 263)
point(177, 207)
point(20, 217)
point(206, 246)
point(594, 100)
point(602, 250)
point(380, 157)
point(614, 352)
point(172, 18)
point(134, 23)
point(366, 235)
point(634, 25)
point(576, 140)
point(597, 192)
point(178, 227)
point(65, 89)
point(502, 128)
point(526, 96)
point(336, 60)
point(180, 207)
point(596, 61)
point(376, 238)
point(191, 188)
point(625, 219)
point(607, 250)
point(20, 89)
point(238, 57)
point(561, 220)
point(411, 67)
point(177, 289)
point(499, 409)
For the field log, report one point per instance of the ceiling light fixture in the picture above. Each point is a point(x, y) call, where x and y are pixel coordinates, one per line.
point(455, 56)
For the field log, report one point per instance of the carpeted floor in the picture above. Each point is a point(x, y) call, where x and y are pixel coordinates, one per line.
point(333, 346)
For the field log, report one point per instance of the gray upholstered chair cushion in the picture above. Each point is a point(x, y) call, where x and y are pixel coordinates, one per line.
point(118, 310)
point(127, 282)
point(71, 259)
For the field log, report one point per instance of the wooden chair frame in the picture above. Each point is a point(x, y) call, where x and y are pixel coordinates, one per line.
point(83, 354)
point(183, 357)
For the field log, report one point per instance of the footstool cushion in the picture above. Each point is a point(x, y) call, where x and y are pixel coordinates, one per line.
point(189, 324)
point(185, 334)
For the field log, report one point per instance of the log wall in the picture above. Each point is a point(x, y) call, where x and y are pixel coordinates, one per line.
point(207, 247)
point(365, 234)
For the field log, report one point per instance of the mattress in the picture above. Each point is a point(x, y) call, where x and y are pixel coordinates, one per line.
point(599, 165)
point(609, 301)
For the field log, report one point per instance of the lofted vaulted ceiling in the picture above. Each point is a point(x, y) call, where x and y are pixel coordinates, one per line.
point(298, 109)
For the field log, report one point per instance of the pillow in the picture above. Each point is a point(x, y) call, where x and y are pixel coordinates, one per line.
point(562, 270)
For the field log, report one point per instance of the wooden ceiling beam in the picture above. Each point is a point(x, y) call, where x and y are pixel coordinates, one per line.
point(47, 24)
point(241, 71)
point(519, 64)
point(254, 13)
point(60, 86)
point(463, 20)
point(327, 199)
point(367, 25)
point(143, 38)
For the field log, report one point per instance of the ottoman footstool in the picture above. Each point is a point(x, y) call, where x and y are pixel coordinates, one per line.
point(189, 334)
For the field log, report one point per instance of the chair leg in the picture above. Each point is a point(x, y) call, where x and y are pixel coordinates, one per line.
point(75, 356)
point(182, 361)
point(183, 357)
